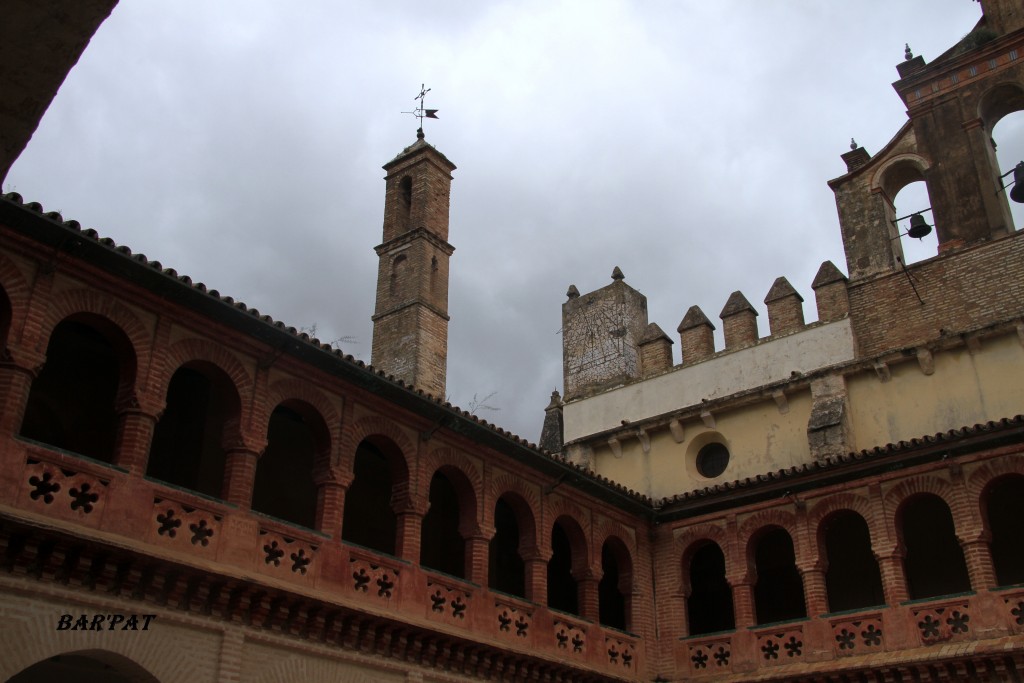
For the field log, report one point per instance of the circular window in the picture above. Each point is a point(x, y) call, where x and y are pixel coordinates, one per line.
point(712, 460)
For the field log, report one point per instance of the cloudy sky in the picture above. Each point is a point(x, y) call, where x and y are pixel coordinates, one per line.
point(686, 142)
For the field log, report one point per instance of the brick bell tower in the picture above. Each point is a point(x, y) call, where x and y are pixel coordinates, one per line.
point(410, 322)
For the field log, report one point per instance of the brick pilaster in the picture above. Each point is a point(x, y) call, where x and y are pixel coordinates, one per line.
point(229, 668)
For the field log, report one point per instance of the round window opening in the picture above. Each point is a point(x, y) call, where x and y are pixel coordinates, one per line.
point(712, 460)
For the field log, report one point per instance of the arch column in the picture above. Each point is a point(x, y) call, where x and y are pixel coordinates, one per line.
point(535, 566)
point(894, 579)
point(815, 591)
point(587, 595)
point(743, 601)
point(135, 428)
point(477, 553)
point(978, 557)
point(409, 527)
point(239, 475)
point(15, 385)
point(330, 504)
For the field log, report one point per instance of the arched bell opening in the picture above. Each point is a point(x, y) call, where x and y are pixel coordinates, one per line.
point(1007, 141)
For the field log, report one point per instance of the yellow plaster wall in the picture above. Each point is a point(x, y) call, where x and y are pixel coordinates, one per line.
point(965, 389)
point(760, 439)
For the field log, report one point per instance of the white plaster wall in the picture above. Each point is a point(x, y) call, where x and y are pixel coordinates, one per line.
point(730, 373)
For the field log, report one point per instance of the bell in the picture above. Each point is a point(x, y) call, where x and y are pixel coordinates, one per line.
point(918, 227)
point(1017, 193)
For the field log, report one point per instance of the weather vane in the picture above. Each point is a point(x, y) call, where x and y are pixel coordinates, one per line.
point(421, 112)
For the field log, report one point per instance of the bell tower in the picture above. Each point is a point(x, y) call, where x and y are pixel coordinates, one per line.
point(410, 321)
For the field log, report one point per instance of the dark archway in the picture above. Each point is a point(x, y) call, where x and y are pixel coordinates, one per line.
point(1004, 510)
point(506, 569)
point(85, 666)
point(709, 607)
point(369, 519)
point(202, 411)
point(72, 403)
point(853, 579)
point(779, 592)
point(934, 562)
point(442, 546)
point(297, 439)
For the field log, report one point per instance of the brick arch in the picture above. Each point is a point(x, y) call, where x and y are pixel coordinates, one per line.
point(578, 542)
point(322, 412)
point(464, 474)
point(370, 426)
point(527, 510)
point(752, 528)
point(691, 541)
point(897, 172)
point(131, 341)
point(163, 658)
point(526, 517)
point(561, 507)
point(394, 444)
point(841, 502)
point(981, 478)
point(907, 489)
point(1004, 97)
point(16, 287)
point(231, 377)
point(89, 301)
point(125, 668)
point(625, 557)
point(609, 528)
point(198, 349)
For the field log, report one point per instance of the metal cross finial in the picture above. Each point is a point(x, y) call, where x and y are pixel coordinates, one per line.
point(421, 112)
